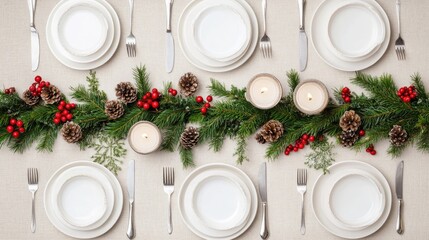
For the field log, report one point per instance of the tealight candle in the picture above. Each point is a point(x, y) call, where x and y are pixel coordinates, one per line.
point(311, 97)
point(264, 91)
point(144, 137)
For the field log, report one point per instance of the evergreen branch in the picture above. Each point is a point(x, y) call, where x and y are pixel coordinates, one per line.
point(420, 87)
point(119, 128)
point(293, 79)
point(322, 156)
point(141, 77)
point(240, 150)
point(172, 137)
point(219, 89)
point(186, 157)
point(47, 140)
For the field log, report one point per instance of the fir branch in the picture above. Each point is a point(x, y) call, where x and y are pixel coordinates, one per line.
point(381, 88)
point(322, 156)
point(12, 105)
point(26, 139)
point(186, 157)
point(109, 152)
point(172, 137)
point(47, 139)
point(293, 79)
point(240, 150)
point(420, 87)
point(218, 89)
point(141, 77)
point(119, 128)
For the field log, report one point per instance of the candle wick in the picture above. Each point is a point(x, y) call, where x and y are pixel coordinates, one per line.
point(309, 96)
point(264, 89)
point(144, 135)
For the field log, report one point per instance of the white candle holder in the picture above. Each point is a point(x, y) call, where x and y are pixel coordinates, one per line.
point(144, 137)
point(311, 97)
point(264, 91)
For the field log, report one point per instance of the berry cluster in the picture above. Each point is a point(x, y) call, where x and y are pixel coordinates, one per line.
point(38, 85)
point(64, 113)
point(206, 105)
point(300, 143)
point(370, 149)
point(407, 94)
point(15, 127)
point(150, 100)
point(172, 92)
point(10, 90)
point(346, 95)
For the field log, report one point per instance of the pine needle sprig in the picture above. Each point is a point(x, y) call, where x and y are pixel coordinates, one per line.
point(141, 77)
point(186, 157)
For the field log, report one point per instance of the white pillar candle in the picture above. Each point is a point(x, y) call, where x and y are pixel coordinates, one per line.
point(264, 91)
point(144, 137)
point(311, 97)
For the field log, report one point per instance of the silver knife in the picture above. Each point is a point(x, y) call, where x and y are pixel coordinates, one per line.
point(169, 64)
point(303, 42)
point(398, 184)
point(131, 233)
point(35, 51)
point(263, 194)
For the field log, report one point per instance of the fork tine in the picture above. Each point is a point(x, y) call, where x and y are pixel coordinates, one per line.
point(37, 175)
point(403, 53)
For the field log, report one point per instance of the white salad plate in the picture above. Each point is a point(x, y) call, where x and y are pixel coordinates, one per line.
point(349, 198)
point(83, 34)
point(350, 35)
point(83, 186)
point(218, 201)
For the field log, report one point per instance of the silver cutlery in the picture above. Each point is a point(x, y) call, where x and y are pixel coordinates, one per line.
point(169, 64)
point(303, 42)
point(265, 43)
point(131, 233)
point(131, 40)
point(398, 185)
point(263, 194)
point(168, 181)
point(399, 43)
point(301, 179)
point(35, 45)
point(33, 185)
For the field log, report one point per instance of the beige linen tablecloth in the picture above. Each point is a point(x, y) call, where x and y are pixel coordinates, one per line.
point(150, 210)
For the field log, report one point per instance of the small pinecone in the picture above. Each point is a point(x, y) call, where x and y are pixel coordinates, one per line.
point(29, 99)
point(188, 84)
point(350, 121)
point(260, 139)
point(114, 109)
point(189, 138)
point(51, 94)
point(348, 138)
point(71, 132)
point(272, 130)
point(398, 136)
point(126, 92)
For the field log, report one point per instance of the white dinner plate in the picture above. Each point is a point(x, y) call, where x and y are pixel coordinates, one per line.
point(320, 197)
point(82, 59)
point(187, 202)
point(322, 31)
point(83, 234)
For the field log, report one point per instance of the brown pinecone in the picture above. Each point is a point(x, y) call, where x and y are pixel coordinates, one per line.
point(188, 84)
point(126, 92)
point(348, 138)
point(350, 121)
point(398, 136)
point(114, 109)
point(189, 137)
point(50, 94)
point(260, 139)
point(272, 130)
point(71, 132)
point(29, 99)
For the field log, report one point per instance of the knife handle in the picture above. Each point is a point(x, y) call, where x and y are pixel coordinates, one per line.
point(264, 227)
point(301, 4)
point(32, 8)
point(131, 233)
point(169, 6)
point(264, 14)
point(399, 221)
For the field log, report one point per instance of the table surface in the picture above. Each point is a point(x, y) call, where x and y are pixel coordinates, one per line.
point(151, 201)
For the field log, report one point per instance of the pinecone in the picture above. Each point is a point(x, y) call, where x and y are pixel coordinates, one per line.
point(71, 132)
point(260, 139)
point(126, 92)
point(188, 84)
point(398, 136)
point(114, 109)
point(29, 98)
point(189, 138)
point(348, 138)
point(350, 121)
point(272, 130)
point(50, 94)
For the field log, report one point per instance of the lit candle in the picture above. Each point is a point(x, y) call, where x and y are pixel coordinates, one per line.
point(311, 97)
point(144, 137)
point(264, 91)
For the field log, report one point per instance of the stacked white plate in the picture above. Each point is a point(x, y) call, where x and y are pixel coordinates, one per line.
point(218, 35)
point(218, 201)
point(353, 200)
point(83, 34)
point(83, 199)
point(350, 35)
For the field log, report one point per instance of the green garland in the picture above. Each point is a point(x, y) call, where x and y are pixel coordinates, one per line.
point(229, 117)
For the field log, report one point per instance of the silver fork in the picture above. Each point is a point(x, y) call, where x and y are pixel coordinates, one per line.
point(168, 179)
point(131, 40)
point(399, 43)
point(33, 185)
point(265, 43)
point(301, 179)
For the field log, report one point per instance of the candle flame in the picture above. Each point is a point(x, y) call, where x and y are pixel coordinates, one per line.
point(309, 96)
point(264, 89)
point(144, 135)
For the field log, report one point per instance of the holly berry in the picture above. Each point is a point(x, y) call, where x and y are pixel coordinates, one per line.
point(140, 103)
point(60, 107)
point(346, 95)
point(199, 99)
point(7, 91)
point(207, 105)
point(38, 79)
point(57, 115)
point(63, 119)
point(68, 106)
point(155, 95)
point(347, 99)
point(10, 129)
point(69, 116)
point(407, 94)
point(155, 104)
point(311, 138)
point(57, 121)
point(174, 92)
point(19, 123)
point(15, 134)
point(204, 110)
point(154, 90)
point(21, 130)
point(146, 106)
point(370, 149)
point(32, 88)
point(12, 121)
point(209, 98)
point(373, 152)
point(362, 133)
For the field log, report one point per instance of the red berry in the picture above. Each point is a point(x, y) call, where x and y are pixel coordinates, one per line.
point(305, 142)
point(345, 90)
point(347, 99)
point(207, 105)
point(311, 138)
point(39, 89)
point(203, 110)
point(63, 119)
point(148, 95)
point(65, 112)
point(15, 134)
point(12, 90)
point(47, 84)
point(170, 89)
point(140, 103)
point(174, 92)
point(146, 106)
point(57, 121)
point(305, 136)
point(68, 106)
point(42, 84)
point(32, 88)
point(155, 104)
point(362, 133)
point(9, 129)
point(73, 105)
point(38, 78)
point(69, 116)
point(368, 150)
point(149, 101)
point(155, 95)
point(57, 115)
point(295, 149)
point(287, 152)
point(19, 123)
point(62, 103)
point(199, 99)
point(209, 98)
point(154, 90)
point(301, 146)
point(144, 97)
point(407, 99)
point(373, 152)
point(401, 91)
point(7, 91)
point(21, 130)
point(12, 121)
point(34, 93)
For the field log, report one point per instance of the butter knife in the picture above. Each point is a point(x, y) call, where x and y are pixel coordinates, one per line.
point(303, 42)
point(131, 233)
point(263, 194)
point(398, 184)
point(35, 51)
point(169, 64)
